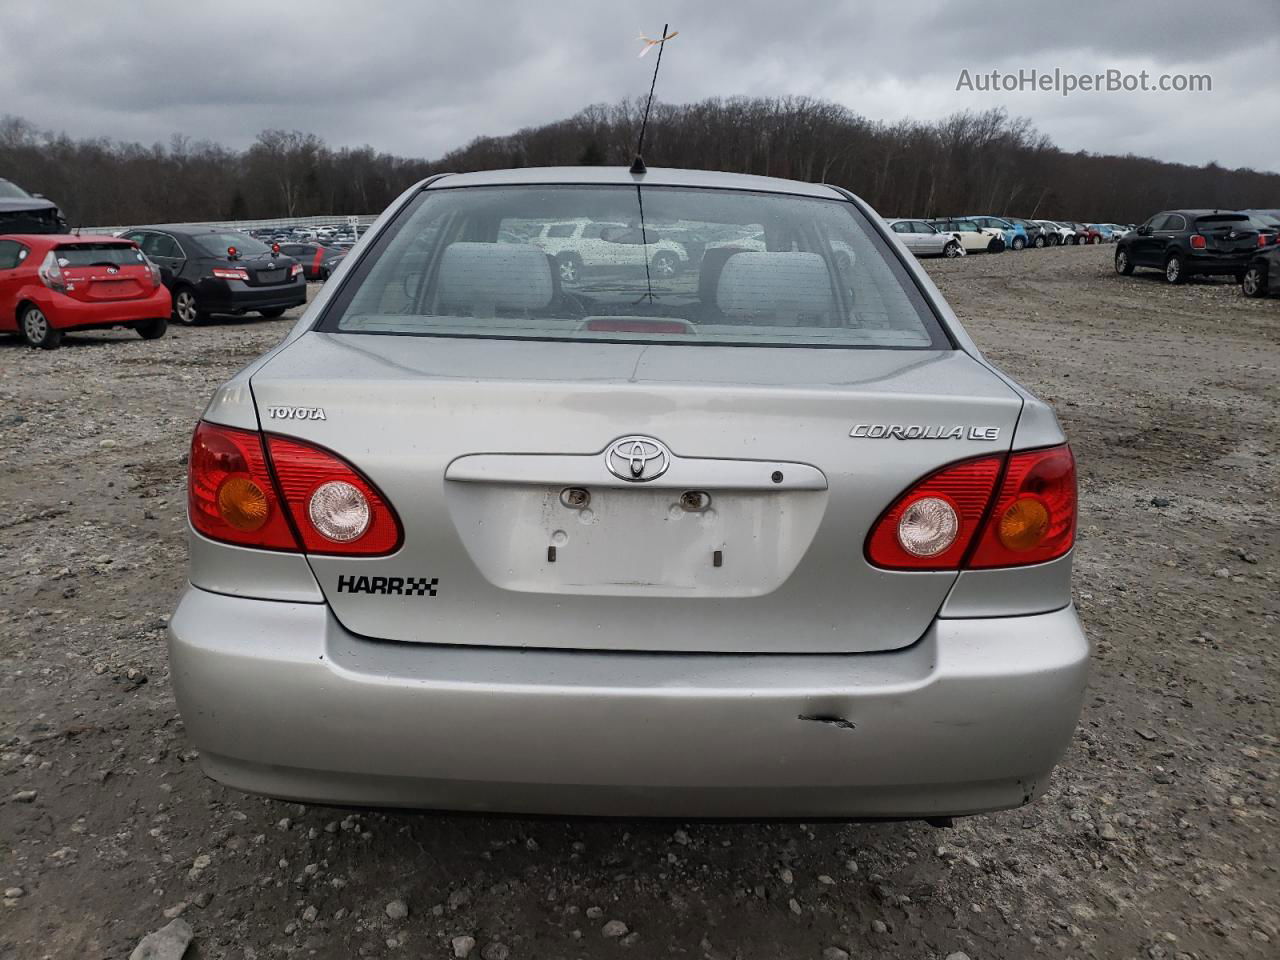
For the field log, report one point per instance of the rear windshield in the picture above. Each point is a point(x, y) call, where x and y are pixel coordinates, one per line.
point(1222, 220)
point(216, 244)
point(637, 265)
point(11, 191)
point(99, 255)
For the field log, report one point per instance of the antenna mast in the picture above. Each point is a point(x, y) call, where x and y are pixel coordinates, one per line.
point(637, 165)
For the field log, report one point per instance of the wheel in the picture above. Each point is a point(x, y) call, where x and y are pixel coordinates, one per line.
point(37, 330)
point(1094, 239)
point(1123, 264)
point(273, 312)
point(152, 329)
point(952, 249)
point(1254, 282)
point(1173, 269)
point(1041, 242)
point(1019, 242)
point(570, 266)
point(185, 310)
point(664, 264)
point(1077, 240)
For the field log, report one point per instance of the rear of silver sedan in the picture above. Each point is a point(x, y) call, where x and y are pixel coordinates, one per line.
point(766, 538)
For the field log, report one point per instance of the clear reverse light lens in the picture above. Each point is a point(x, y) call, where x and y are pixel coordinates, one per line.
point(339, 511)
point(928, 527)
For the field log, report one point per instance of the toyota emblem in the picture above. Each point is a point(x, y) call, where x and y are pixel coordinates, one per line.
point(638, 459)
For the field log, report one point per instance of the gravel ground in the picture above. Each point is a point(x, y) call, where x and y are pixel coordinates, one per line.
point(1156, 839)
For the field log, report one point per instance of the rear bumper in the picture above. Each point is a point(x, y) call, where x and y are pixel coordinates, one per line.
point(1217, 264)
point(281, 700)
point(234, 296)
point(65, 313)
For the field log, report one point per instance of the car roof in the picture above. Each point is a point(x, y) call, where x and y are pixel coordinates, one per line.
point(1202, 213)
point(656, 176)
point(186, 229)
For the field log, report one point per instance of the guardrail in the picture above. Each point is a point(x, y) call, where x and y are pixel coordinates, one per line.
point(363, 220)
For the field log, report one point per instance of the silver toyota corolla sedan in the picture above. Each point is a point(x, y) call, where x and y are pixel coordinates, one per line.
point(763, 535)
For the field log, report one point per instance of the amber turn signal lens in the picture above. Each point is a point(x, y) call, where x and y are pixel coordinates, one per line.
point(242, 503)
point(1024, 523)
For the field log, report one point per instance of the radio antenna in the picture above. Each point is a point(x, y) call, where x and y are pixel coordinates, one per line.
point(637, 165)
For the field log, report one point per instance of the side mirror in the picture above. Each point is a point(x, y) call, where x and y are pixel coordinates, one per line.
point(1143, 230)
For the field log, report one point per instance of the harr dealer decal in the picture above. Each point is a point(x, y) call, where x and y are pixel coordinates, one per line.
point(390, 586)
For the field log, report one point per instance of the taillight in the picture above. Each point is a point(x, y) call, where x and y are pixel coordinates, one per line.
point(1034, 517)
point(952, 515)
point(1197, 242)
point(1263, 239)
point(230, 494)
point(931, 525)
point(295, 270)
point(152, 269)
point(51, 275)
point(231, 273)
point(335, 509)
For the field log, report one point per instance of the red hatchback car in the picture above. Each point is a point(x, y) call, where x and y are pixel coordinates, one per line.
point(51, 283)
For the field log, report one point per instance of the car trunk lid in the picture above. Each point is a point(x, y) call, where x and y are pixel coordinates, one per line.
point(479, 445)
point(100, 271)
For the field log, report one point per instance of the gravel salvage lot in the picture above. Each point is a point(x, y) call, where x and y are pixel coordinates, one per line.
point(1157, 838)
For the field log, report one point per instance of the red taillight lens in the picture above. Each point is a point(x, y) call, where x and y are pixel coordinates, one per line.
point(335, 509)
point(231, 273)
point(230, 496)
point(952, 514)
point(1034, 517)
point(1263, 239)
point(295, 270)
point(1197, 242)
point(902, 532)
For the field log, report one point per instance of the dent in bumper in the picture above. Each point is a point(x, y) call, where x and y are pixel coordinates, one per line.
point(281, 700)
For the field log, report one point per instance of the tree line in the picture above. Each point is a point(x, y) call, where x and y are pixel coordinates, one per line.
point(969, 162)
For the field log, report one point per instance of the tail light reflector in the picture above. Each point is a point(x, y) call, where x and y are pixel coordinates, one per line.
point(230, 493)
point(956, 518)
point(1198, 242)
point(1033, 518)
point(953, 499)
point(335, 509)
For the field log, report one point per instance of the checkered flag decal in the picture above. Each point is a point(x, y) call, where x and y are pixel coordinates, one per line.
point(421, 586)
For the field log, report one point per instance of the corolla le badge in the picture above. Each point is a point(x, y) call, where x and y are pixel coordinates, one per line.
point(638, 459)
point(882, 431)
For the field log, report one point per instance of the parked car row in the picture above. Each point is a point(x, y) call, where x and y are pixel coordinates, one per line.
point(1244, 244)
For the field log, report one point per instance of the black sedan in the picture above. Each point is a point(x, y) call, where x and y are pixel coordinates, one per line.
point(1184, 243)
point(209, 271)
point(318, 259)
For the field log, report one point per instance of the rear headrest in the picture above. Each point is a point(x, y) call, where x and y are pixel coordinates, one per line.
point(775, 288)
point(495, 276)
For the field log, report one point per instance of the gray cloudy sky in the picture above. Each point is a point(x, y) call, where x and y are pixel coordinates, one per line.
point(418, 78)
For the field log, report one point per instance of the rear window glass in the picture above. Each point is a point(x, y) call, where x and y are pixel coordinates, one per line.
point(11, 191)
point(1222, 220)
point(636, 264)
point(216, 244)
point(99, 255)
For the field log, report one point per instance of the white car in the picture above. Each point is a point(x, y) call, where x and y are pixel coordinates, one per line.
point(972, 238)
point(586, 244)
